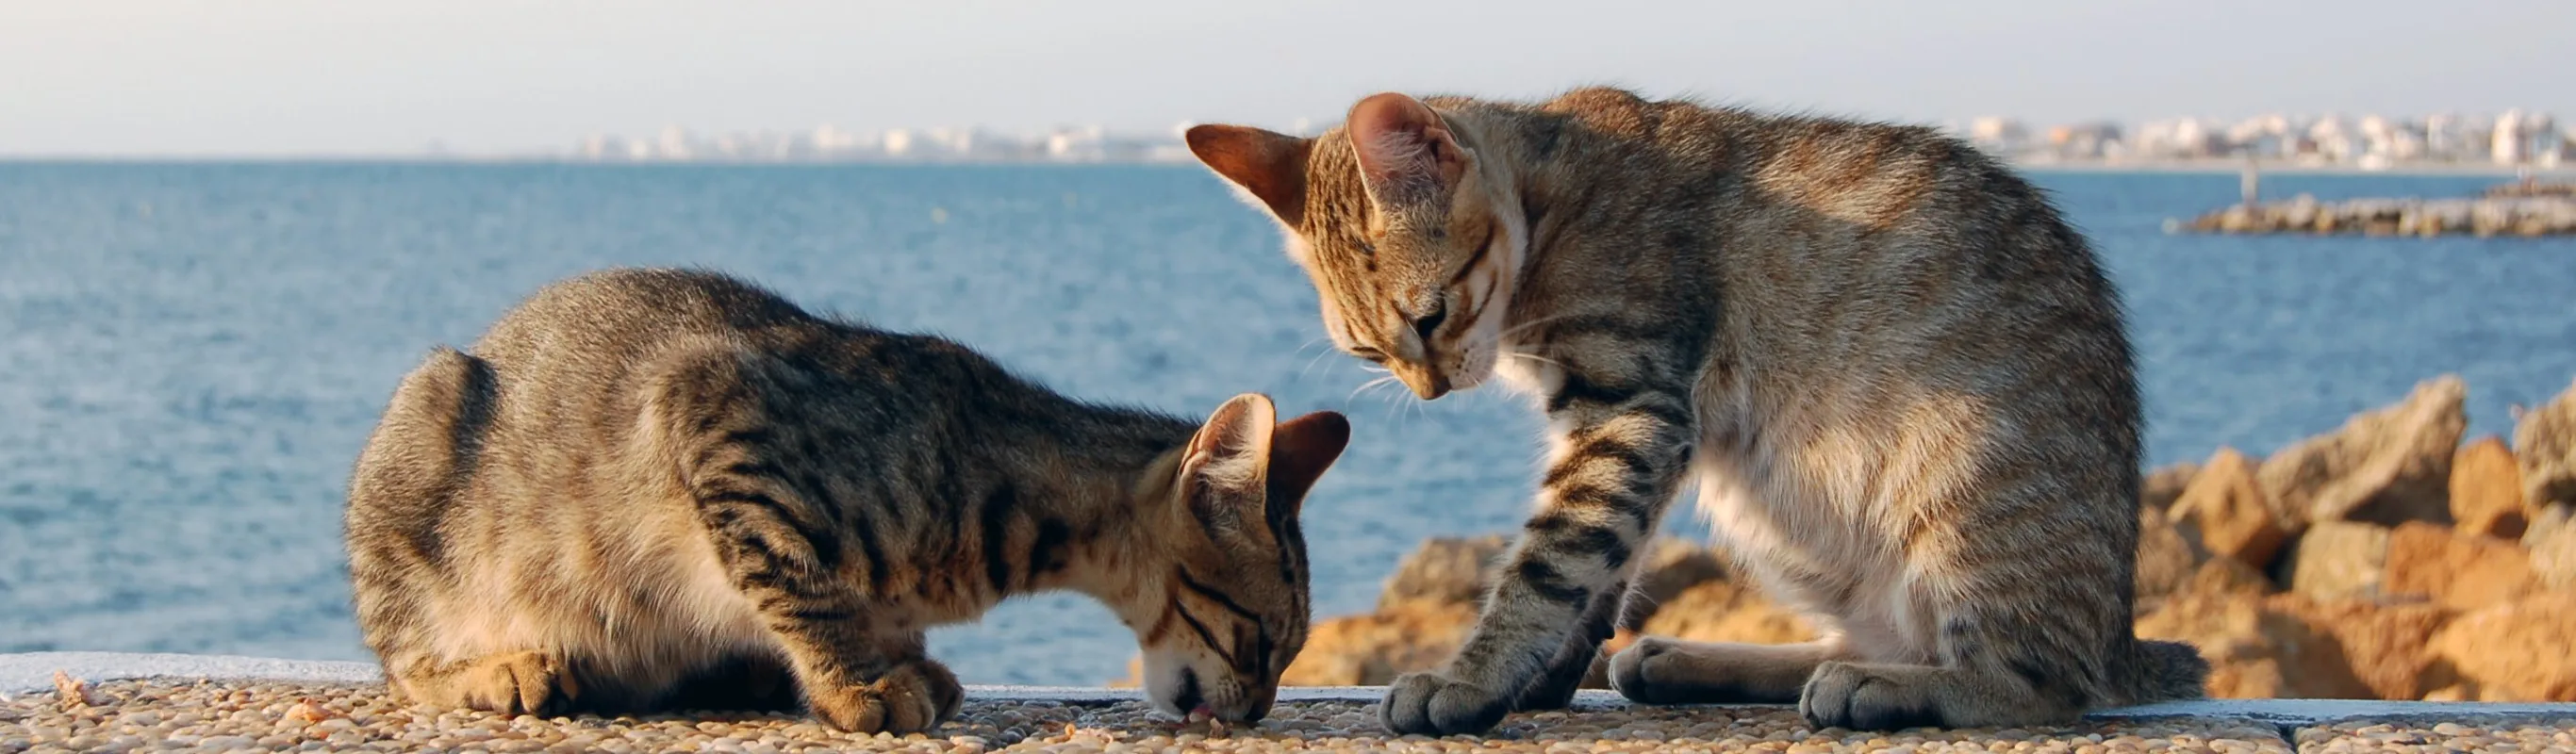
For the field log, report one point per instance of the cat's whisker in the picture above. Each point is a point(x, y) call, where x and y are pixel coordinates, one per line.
point(1536, 358)
point(1355, 392)
point(1516, 329)
point(1310, 364)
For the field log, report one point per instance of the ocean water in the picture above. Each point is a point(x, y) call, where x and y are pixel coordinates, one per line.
point(192, 354)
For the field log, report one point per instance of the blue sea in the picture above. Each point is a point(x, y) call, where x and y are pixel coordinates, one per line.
point(191, 354)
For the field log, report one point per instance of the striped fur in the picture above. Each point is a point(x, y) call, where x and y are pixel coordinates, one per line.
point(653, 489)
point(1897, 377)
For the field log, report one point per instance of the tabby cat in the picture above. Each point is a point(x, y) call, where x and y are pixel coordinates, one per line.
point(1898, 379)
point(667, 489)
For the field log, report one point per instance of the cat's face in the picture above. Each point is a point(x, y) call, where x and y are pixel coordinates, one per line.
point(1412, 248)
point(1235, 606)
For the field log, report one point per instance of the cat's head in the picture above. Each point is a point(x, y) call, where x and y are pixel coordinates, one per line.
point(1412, 241)
point(1235, 606)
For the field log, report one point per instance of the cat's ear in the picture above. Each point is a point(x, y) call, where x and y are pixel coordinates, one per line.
point(1227, 464)
point(1269, 166)
point(1405, 150)
point(1300, 450)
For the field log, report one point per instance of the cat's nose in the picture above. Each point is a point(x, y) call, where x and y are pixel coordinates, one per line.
point(1432, 384)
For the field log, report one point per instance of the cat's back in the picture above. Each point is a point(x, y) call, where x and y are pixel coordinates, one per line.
point(581, 325)
point(1697, 154)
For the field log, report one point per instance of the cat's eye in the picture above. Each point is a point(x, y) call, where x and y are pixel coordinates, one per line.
point(1422, 328)
point(1368, 353)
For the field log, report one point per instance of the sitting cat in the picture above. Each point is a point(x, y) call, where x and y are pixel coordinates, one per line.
point(1896, 375)
point(658, 489)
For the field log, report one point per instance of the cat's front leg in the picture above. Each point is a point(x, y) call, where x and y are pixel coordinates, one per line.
point(909, 695)
point(1565, 672)
point(771, 535)
point(1621, 450)
point(867, 683)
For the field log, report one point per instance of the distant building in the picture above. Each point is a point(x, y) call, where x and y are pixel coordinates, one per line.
point(2369, 141)
point(2183, 138)
point(2522, 138)
point(2084, 141)
point(2000, 135)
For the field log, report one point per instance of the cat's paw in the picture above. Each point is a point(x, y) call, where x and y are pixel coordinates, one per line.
point(1860, 697)
point(519, 683)
point(911, 697)
point(1635, 671)
point(1434, 704)
point(941, 686)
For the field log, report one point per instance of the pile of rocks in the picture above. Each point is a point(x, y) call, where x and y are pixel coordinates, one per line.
point(2529, 216)
point(2530, 187)
point(2381, 560)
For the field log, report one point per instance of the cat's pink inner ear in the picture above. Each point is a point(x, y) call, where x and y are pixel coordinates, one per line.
point(1270, 166)
point(1232, 448)
point(1401, 142)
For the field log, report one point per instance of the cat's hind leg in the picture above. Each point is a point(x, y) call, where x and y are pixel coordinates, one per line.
point(1876, 696)
point(1659, 670)
point(509, 683)
point(2026, 646)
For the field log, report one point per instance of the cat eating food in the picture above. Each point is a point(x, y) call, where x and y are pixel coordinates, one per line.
point(651, 489)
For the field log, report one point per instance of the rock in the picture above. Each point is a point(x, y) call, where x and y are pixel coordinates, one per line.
point(2158, 491)
point(2459, 571)
point(2545, 441)
point(2338, 560)
point(1458, 570)
point(1370, 650)
point(1429, 606)
point(2516, 650)
point(1727, 611)
point(2384, 646)
point(2386, 466)
point(1449, 570)
point(2255, 652)
point(2551, 540)
point(2225, 510)
point(2486, 490)
point(2166, 559)
point(2457, 692)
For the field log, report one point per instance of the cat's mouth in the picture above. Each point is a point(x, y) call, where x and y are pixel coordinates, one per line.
point(1427, 383)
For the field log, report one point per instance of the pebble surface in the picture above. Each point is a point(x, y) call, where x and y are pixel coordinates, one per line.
point(2465, 734)
point(209, 716)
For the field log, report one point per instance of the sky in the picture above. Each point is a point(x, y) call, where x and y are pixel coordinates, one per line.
point(315, 77)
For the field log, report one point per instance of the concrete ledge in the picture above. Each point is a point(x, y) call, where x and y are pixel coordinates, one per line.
point(34, 671)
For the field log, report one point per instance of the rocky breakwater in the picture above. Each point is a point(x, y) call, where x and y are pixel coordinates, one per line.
point(2382, 560)
point(2525, 216)
point(2532, 188)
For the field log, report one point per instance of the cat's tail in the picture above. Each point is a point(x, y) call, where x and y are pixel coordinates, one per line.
point(2166, 670)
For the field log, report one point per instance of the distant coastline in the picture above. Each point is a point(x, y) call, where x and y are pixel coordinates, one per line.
point(2209, 166)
